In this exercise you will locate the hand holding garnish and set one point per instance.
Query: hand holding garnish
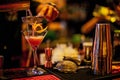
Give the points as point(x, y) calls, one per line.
point(49, 11)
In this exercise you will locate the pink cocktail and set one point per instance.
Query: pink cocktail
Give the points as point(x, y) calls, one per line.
point(34, 41)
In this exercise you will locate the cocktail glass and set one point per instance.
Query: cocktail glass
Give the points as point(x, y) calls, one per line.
point(34, 32)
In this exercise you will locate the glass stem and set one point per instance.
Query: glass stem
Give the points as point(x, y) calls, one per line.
point(35, 57)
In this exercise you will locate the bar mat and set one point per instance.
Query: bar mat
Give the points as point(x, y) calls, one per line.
point(20, 73)
point(42, 77)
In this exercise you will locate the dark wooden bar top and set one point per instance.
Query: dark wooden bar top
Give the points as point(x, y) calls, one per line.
point(81, 74)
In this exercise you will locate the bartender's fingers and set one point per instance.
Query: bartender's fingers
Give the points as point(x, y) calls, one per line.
point(55, 14)
point(42, 11)
point(39, 8)
point(49, 13)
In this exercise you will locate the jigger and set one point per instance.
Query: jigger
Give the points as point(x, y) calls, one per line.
point(102, 50)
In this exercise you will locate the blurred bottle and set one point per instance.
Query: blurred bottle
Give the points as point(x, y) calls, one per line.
point(81, 52)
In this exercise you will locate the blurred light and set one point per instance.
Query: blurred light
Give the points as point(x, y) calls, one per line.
point(117, 31)
point(113, 19)
point(104, 11)
point(76, 38)
point(55, 26)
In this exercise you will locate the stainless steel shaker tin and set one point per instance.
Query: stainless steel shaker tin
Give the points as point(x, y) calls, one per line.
point(102, 50)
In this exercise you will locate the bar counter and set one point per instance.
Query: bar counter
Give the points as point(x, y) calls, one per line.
point(83, 74)
point(80, 74)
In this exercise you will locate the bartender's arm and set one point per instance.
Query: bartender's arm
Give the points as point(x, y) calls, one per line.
point(98, 16)
point(87, 27)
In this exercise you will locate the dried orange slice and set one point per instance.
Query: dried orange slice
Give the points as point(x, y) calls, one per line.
point(42, 30)
point(35, 26)
point(38, 27)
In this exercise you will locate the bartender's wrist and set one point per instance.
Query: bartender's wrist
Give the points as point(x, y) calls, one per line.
point(39, 7)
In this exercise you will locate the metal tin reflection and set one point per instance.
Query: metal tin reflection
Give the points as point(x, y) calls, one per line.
point(102, 50)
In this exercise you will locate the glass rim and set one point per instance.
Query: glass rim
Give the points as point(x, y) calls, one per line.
point(33, 18)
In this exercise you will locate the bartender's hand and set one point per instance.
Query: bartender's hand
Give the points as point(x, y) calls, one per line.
point(49, 11)
point(105, 13)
